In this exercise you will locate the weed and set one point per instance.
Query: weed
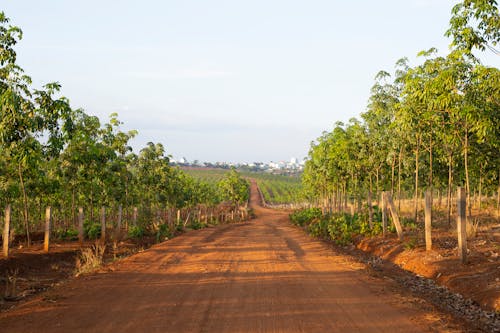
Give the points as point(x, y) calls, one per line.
point(70, 234)
point(135, 232)
point(10, 284)
point(411, 244)
point(163, 233)
point(472, 228)
point(92, 230)
point(89, 259)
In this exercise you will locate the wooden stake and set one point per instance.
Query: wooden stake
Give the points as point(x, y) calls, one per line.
point(462, 224)
point(6, 230)
point(48, 222)
point(394, 215)
point(81, 236)
point(428, 220)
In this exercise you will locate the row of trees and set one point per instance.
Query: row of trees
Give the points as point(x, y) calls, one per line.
point(54, 155)
point(432, 126)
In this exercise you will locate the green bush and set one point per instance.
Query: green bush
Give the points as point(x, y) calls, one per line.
point(70, 234)
point(339, 227)
point(304, 216)
point(195, 224)
point(163, 233)
point(135, 232)
point(92, 230)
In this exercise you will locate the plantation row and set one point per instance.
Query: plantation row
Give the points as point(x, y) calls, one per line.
point(54, 155)
point(433, 126)
point(279, 190)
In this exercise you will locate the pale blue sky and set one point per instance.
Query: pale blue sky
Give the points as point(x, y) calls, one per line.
point(218, 80)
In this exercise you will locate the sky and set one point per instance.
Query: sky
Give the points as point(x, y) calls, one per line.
point(224, 80)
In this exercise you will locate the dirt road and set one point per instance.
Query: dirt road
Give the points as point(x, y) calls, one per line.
point(260, 276)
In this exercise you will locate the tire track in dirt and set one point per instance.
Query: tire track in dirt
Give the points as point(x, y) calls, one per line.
point(261, 276)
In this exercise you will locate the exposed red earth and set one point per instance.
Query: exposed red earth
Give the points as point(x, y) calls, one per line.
point(264, 275)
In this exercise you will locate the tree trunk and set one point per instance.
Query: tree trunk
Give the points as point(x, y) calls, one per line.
point(415, 196)
point(25, 204)
point(467, 182)
point(450, 180)
point(393, 165)
point(370, 211)
point(399, 179)
point(480, 191)
point(430, 164)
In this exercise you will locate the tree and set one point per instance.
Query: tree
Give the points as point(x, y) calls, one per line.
point(475, 24)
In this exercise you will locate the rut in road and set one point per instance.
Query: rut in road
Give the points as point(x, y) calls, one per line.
point(261, 276)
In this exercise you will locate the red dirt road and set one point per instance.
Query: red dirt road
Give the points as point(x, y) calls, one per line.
point(260, 276)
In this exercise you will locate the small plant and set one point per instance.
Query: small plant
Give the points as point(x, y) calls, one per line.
point(195, 224)
point(305, 216)
point(10, 284)
point(89, 259)
point(472, 228)
point(92, 230)
point(163, 233)
point(136, 232)
point(70, 234)
point(411, 244)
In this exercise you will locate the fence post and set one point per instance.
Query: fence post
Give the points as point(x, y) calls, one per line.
point(384, 213)
point(461, 224)
point(48, 222)
point(178, 216)
point(103, 224)
point(6, 230)
point(80, 225)
point(394, 215)
point(428, 220)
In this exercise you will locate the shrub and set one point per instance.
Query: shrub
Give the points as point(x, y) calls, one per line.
point(70, 234)
point(89, 259)
point(92, 230)
point(163, 233)
point(135, 232)
point(195, 224)
point(305, 216)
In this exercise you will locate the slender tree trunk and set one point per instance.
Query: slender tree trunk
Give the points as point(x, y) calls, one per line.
point(91, 203)
point(480, 191)
point(370, 211)
point(399, 179)
point(450, 180)
point(415, 197)
point(25, 204)
point(392, 173)
point(467, 185)
point(73, 206)
point(430, 164)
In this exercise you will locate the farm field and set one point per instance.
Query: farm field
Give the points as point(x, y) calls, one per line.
point(279, 191)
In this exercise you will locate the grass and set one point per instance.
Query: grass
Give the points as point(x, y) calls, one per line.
point(89, 259)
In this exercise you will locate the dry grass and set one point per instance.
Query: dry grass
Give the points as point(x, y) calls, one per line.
point(89, 259)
